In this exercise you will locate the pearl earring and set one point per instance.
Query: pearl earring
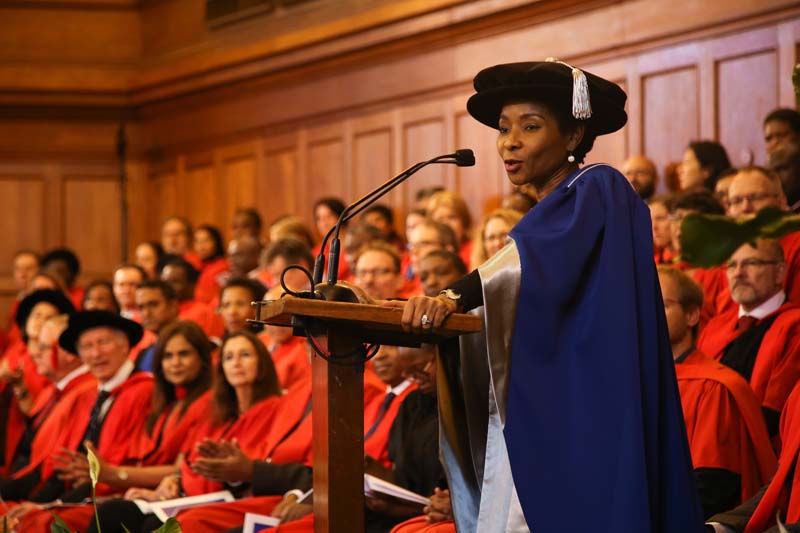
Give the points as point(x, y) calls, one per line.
point(571, 158)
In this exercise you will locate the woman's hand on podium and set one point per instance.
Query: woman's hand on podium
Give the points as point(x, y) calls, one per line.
point(422, 314)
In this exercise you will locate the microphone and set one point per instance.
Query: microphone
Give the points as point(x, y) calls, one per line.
point(461, 158)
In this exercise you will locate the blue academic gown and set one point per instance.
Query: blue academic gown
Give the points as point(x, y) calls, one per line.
point(594, 429)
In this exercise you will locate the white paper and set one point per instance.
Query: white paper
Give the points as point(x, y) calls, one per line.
point(374, 485)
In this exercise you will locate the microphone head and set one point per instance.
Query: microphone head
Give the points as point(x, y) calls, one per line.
point(465, 158)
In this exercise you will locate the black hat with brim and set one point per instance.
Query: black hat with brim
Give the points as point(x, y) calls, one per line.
point(549, 82)
point(83, 321)
point(55, 298)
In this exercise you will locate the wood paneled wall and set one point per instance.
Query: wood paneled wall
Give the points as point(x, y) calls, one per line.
point(277, 128)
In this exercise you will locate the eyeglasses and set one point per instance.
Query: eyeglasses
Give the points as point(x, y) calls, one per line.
point(750, 198)
point(748, 264)
point(497, 237)
point(375, 272)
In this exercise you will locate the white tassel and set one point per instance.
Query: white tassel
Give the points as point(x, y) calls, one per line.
point(581, 104)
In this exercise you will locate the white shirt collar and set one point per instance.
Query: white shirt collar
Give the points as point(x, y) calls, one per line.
point(119, 378)
point(767, 308)
point(63, 382)
point(398, 390)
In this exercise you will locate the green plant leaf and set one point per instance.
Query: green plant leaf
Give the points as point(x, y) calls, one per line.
point(170, 526)
point(58, 525)
point(94, 466)
point(710, 240)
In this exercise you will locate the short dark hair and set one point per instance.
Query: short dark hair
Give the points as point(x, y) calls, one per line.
point(446, 234)
point(131, 266)
point(256, 288)
point(216, 236)
point(712, 157)
point(62, 254)
point(252, 214)
point(334, 204)
point(382, 247)
point(165, 288)
point(427, 192)
point(700, 201)
point(101, 283)
point(787, 115)
point(192, 274)
point(381, 210)
point(452, 257)
point(690, 294)
point(294, 251)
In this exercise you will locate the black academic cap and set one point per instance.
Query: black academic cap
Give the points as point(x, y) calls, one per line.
point(56, 298)
point(86, 320)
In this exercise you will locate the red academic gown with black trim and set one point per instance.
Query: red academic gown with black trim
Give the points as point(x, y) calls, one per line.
point(204, 316)
point(376, 446)
point(420, 524)
point(291, 361)
point(724, 423)
point(208, 284)
point(783, 492)
point(296, 448)
point(777, 364)
point(791, 256)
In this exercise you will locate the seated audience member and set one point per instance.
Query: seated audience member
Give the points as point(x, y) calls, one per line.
point(450, 208)
point(158, 308)
point(176, 238)
point(413, 218)
point(377, 271)
point(243, 257)
point(785, 162)
point(182, 276)
point(287, 351)
point(99, 296)
point(754, 188)
point(246, 222)
point(45, 280)
point(716, 297)
point(234, 304)
point(642, 175)
point(780, 497)
point(760, 337)
point(439, 269)
point(731, 451)
point(245, 405)
point(703, 161)
point(126, 278)
point(358, 236)
point(63, 263)
point(518, 201)
point(326, 213)
point(180, 402)
point(147, 255)
point(291, 227)
point(426, 237)
point(283, 253)
point(270, 480)
point(422, 196)
point(492, 235)
point(380, 216)
point(108, 416)
point(210, 249)
point(24, 267)
point(781, 126)
point(66, 376)
point(20, 384)
point(662, 229)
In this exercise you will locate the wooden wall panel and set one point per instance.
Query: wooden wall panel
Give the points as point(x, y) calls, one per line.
point(671, 114)
point(92, 223)
point(325, 175)
point(484, 184)
point(743, 103)
point(372, 160)
point(163, 188)
point(22, 224)
point(200, 198)
point(276, 189)
point(239, 183)
point(422, 140)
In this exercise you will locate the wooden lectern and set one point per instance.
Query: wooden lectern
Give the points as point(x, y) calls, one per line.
point(341, 329)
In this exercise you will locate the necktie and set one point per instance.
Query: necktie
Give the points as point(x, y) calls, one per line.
point(387, 401)
point(95, 421)
point(746, 322)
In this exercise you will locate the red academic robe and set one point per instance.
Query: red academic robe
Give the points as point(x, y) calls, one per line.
point(208, 284)
point(465, 252)
point(291, 361)
point(204, 316)
point(376, 446)
point(777, 365)
point(783, 492)
point(76, 295)
point(420, 524)
point(296, 448)
point(791, 255)
point(724, 423)
point(194, 259)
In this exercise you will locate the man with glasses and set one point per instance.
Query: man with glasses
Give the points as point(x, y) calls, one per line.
point(760, 338)
point(426, 237)
point(377, 271)
point(754, 188)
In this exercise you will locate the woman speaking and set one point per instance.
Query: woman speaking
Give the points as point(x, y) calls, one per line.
point(584, 430)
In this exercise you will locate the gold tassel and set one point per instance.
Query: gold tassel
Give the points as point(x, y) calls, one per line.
point(581, 105)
